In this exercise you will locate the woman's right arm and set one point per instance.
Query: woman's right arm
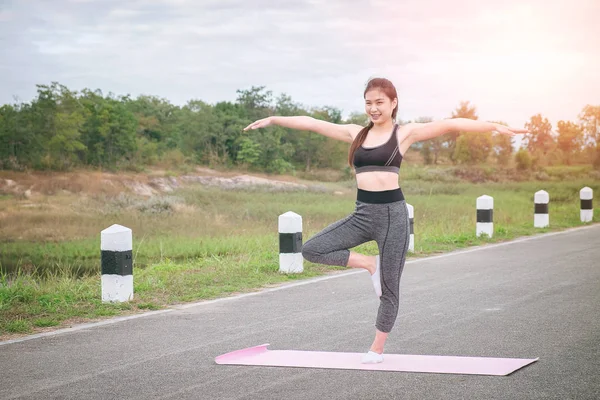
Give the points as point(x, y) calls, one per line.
point(343, 132)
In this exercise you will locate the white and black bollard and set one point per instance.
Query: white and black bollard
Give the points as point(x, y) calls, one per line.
point(485, 216)
point(586, 196)
point(411, 218)
point(290, 243)
point(117, 264)
point(541, 217)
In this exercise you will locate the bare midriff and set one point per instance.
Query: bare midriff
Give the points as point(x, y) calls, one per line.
point(377, 181)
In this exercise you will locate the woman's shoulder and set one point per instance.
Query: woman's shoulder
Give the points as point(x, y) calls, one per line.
point(405, 128)
point(354, 129)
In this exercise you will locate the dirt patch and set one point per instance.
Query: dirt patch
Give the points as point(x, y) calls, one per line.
point(154, 183)
point(240, 182)
point(140, 188)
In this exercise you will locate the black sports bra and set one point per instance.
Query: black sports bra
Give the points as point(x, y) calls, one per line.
point(385, 157)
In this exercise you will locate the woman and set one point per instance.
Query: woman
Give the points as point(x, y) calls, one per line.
point(376, 153)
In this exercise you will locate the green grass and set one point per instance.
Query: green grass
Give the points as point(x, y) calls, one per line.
point(206, 243)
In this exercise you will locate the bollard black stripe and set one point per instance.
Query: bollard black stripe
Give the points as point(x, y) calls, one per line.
point(290, 242)
point(485, 215)
point(412, 226)
point(586, 204)
point(117, 262)
point(541, 208)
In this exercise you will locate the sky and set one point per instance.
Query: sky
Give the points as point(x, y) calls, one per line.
point(510, 59)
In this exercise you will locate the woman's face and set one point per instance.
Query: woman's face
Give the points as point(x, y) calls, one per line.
point(379, 106)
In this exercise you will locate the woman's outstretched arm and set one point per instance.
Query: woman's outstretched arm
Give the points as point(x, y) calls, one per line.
point(343, 132)
point(430, 130)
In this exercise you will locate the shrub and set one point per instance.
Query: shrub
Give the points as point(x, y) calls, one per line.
point(523, 160)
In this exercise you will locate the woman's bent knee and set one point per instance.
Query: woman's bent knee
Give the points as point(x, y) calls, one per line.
point(316, 253)
point(310, 253)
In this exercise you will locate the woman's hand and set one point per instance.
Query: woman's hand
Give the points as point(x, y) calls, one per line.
point(505, 130)
point(261, 123)
point(418, 132)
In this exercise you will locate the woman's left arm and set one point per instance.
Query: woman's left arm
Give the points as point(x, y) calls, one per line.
point(425, 131)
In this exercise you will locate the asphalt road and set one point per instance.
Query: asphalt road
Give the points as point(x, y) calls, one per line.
point(538, 297)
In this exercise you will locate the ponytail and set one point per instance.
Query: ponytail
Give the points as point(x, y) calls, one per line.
point(358, 141)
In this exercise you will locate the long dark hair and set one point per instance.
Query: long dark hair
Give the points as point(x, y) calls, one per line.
point(386, 87)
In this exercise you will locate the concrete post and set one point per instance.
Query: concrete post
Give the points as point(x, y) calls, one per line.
point(485, 216)
point(411, 217)
point(586, 196)
point(290, 243)
point(541, 217)
point(117, 264)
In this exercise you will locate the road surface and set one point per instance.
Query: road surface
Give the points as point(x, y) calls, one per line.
point(538, 297)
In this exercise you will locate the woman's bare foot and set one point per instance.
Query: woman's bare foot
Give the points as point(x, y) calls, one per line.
point(357, 260)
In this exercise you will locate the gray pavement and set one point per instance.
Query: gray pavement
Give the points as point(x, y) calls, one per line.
point(538, 297)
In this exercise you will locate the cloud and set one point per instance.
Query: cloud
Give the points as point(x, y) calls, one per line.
point(5, 16)
point(319, 52)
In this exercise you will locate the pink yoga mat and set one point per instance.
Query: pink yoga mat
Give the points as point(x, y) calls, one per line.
point(260, 355)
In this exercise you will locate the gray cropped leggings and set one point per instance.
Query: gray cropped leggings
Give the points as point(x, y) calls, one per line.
point(388, 225)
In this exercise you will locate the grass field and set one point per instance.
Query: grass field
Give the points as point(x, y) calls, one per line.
point(201, 243)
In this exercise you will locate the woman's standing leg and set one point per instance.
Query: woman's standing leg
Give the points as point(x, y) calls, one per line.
point(392, 238)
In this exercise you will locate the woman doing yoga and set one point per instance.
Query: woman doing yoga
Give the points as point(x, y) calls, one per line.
point(376, 153)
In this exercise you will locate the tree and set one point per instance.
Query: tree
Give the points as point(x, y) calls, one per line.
point(201, 129)
point(426, 152)
point(570, 139)
point(256, 101)
point(329, 153)
point(249, 152)
point(358, 118)
point(10, 142)
point(284, 106)
point(464, 110)
point(157, 120)
point(109, 131)
point(43, 126)
point(502, 147)
point(20, 146)
point(590, 120)
point(231, 121)
point(308, 144)
point(56, 119)
point(432, 148)
point(473, 147)
point(539, 139)
point(65, 146)
point(275, 155)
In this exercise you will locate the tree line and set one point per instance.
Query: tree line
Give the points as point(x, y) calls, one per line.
point(61, 129)
point(570, 142)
